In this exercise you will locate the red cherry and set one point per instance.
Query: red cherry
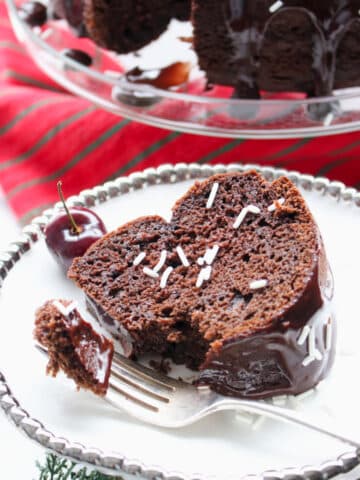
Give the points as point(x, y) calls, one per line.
point(71, 232)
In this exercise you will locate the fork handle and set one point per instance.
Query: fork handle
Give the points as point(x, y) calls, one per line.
point(284, 414)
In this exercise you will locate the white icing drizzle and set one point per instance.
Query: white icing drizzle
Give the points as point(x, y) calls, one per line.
point(328, 335)
point(201, 261)
point(165, 276)
point(257, 284)
point(63, 309)
point(275, 6)
point(249, 209)
point(150, 273)
point(182, 257)
point(272, 207)
point(303, 335)
point(139, 259)
point(204, 275)
point(212, 195)
point(161, 262)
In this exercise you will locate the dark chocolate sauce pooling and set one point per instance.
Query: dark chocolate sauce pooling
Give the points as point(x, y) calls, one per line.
point(330, 19)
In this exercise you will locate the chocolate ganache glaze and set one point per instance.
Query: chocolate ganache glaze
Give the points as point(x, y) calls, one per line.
point(284, 45)
point(281, 362)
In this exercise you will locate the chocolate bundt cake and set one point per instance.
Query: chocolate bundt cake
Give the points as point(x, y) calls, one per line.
point(120, 25)
point(237, 285)
point(279, 46)
point(73, 346)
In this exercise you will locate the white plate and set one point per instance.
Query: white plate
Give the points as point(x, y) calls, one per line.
point(221, 446)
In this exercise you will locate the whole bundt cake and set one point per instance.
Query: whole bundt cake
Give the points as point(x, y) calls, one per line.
point(279, 45)
point(236, 285)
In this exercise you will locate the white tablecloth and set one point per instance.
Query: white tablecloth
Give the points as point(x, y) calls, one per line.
point(18, 455)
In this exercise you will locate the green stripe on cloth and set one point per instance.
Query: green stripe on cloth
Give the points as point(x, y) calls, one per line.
point(148, 151)
point(12, 46)
point(46, 138)
point(287, 151)
point(11, 74)
point(345, 149)
point(24, 113)
point(220, 151)
point(325, 169)
point(74, 161)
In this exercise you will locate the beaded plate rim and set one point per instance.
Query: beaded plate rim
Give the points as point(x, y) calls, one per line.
point(110, 462)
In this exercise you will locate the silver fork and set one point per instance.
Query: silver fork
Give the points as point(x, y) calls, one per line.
point(157, 399)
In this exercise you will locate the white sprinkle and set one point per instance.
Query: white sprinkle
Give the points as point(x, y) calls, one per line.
point(212, 195)
point(244, 417)
point(207, 272)
point(258, 422)
point(200, 261)
point(272, 207)
point(46, 33)
point(244, 212)
point(210, 254)
point(318, 355)
point(275, 6)
point(312, 343)
point(204, 388)
point(303, 335)
point(161, 262)
point(280, 400)
point(112, 73)
point(328, 119)
point(165, 277)
point(150, 273)
point(64, 310)
point(182, 257)
point(328, 337)
point(257, 284)
point(139, 259)
point(307, 360)
point(204, 275)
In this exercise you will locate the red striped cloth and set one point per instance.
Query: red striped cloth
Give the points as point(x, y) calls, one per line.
point(47, 134)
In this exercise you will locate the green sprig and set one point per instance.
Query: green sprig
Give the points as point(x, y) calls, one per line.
point(57, 468)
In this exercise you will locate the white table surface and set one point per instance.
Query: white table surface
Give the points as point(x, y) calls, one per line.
point(17, 454)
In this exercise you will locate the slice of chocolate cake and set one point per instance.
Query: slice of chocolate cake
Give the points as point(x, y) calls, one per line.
point(236, 285)
point(278, 46)
point(73, 346)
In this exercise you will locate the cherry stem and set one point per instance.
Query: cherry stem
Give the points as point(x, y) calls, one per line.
point(75, 229)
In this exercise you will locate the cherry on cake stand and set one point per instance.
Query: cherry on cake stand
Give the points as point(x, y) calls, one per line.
point(191, 107)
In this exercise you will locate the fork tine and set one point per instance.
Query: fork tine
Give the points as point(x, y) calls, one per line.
point(128, 397)
point(148, 374)
point(124, 376)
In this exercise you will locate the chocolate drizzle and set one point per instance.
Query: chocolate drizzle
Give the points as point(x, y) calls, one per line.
point(248, 24)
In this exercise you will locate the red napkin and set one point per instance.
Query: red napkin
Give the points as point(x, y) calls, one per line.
point(47, 134)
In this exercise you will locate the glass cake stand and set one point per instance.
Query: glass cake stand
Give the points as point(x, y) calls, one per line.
point(190, 107)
